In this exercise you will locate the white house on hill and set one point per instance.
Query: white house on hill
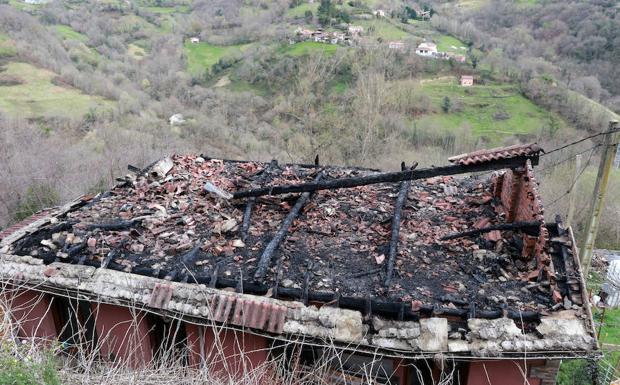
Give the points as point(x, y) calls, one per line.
point(426, 49)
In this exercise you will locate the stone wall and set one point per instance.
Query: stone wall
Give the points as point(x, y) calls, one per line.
point(563, 331)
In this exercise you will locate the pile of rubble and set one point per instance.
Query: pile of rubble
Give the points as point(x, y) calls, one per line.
point(177, 220)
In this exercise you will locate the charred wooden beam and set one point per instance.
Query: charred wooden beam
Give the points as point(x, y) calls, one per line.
point(396, 219)
point(529, 227)
point(113, 226)
point(390, 177)
point(247, 213)
point(189, 258)
point(265, 259)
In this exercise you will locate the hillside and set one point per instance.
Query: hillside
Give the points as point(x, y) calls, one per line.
point(99, 82)
point(574, 41)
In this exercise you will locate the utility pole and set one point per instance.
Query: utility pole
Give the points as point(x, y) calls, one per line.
point(610, 146)
point(573, 192)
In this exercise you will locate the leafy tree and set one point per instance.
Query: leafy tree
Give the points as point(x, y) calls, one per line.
point(474, 60)
point(446, 104)
point(308, 16)
point(343, 17)
point(325, 12)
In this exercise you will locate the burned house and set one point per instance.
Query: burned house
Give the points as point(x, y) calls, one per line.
point(439, 270)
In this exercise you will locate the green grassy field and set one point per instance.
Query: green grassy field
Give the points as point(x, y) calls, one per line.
point(203, 55)
point(490, 111)
point(446, 43)
point(19, 4)
point(37, 96)
point(308, 47)
point(69, 33)
point(7, 46)
point(382, 28)
point(300, 10)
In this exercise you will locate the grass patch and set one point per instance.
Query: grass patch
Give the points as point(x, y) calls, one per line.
point(136, 52)
point(68, 33)
point(383, 29)
point(243, 86)
point(37, 96)
point(22, 6)
point(300, 11)
point(203, 56)
point(610, 332)
point(308, 47)
point(16, 370)
point(7, 46)
point(446, 43)
point(490, 111)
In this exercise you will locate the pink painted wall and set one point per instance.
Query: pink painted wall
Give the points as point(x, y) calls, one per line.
point(500, 372)
point(33, 313)
point(123, 335)
point(230, 352)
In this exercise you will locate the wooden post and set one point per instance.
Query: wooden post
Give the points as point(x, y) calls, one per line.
point(610, 146)
point(573, 192)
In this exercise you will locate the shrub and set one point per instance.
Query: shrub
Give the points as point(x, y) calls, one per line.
point(27, 371)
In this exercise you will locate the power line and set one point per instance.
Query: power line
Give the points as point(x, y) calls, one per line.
point(553, 165)
point(580, 140)
point(575, 180)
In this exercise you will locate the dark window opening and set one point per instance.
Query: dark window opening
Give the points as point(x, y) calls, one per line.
point(75, 324)
point(331, 366)
point(169, 340)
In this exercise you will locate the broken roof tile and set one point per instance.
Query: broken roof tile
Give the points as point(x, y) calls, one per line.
point(482, 156)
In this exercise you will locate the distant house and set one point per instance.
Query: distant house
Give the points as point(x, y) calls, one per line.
point(467, 80)
point(422, 14)
point(396, 45)
point(176, 119)
point(379, 13)
point(355, 30)
point(459, 58)
point(427, 49)
point(194, 40)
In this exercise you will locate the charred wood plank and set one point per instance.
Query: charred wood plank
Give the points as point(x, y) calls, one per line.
point(112, 226)
point(191, 256)
point(396, 219)
point(390, 177)
point(247, 212)
point(265, 259)
point(532, 228)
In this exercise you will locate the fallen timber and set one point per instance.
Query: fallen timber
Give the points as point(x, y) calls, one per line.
point(266, 257)
point(389, 177)
point(398, 209)
point(531, 227)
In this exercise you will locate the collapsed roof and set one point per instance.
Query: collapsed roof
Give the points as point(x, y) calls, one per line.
point(403, 246)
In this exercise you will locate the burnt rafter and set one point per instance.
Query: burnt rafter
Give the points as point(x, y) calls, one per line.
point(265, 259)
point(398, 210)
point(530, 227)
point(247, 212)
point(389, 177)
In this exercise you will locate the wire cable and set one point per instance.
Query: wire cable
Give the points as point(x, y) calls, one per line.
point(580, 140)
point(574, 181)
point(553, 165)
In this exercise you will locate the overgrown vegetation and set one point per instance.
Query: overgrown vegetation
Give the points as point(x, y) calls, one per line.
point(19, 368)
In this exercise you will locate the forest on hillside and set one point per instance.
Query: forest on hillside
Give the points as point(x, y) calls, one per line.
point(89, 87)
point(574, 41)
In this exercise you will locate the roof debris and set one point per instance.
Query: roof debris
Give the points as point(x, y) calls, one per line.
point(171, 222)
